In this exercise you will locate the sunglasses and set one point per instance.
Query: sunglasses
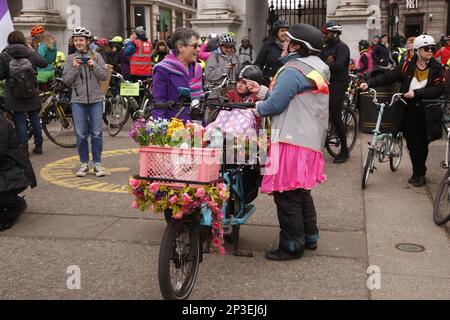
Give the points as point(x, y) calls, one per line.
point(429, 49)
point(195, 46)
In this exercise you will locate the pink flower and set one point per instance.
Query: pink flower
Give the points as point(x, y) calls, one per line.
point(134, 183)
point(222, 187)
point(178, 216)
point(216, 225)
point(186, 198)
point(134, 205)
point(154, 187)
point(173, 200)
point(222, 251)
point(216, 243)
point(223, 195)
point(201, 193)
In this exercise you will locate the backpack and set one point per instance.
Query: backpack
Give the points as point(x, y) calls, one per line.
point(23, 77)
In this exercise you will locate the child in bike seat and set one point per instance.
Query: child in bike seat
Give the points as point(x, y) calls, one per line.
point(241, 123)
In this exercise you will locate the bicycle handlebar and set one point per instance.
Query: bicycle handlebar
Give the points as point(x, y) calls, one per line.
point(231, 106)
point(396, 97)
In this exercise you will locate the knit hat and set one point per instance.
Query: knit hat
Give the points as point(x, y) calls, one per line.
point(140, 31)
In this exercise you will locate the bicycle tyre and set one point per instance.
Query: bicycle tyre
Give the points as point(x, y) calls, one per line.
point(351, 124)
point(441, 217)
point(58, 125)
point(115, 122)
point(173, 257)
point(367, 168)
point(394, 162)
point(108, 106)
point(333, 144)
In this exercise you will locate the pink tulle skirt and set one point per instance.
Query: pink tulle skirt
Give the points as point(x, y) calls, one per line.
point(291, 167)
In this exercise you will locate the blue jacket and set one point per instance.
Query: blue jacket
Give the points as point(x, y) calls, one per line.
point(290, 82)
point(130, 49)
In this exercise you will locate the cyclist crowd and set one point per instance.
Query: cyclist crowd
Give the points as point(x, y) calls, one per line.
point(298, 79)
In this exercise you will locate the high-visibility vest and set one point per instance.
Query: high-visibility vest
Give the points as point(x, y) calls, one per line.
point(141, 61)
point(202, 64)
point(401, 52)
point(60, 59)
point(369, 60)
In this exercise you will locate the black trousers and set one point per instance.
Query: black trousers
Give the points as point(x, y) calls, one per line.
point(297, 218)
point(337, 97)
point(414, 129)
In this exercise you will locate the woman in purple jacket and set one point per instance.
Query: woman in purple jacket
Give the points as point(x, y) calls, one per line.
point(178, 69)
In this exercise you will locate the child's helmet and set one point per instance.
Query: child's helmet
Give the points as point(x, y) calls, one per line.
point(251, 72)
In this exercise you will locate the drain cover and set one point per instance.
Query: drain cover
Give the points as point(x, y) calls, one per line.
point(410, 247)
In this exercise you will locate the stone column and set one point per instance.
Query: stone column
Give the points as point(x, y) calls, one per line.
point(155, 20)
point(216, 16)
point(355, 18)
point(39, 12)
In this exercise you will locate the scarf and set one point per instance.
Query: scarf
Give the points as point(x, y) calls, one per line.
point(172, 65)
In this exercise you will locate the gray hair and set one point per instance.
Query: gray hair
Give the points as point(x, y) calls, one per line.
point(182, 36)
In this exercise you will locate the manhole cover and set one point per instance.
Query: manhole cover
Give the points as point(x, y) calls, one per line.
point(410, 247)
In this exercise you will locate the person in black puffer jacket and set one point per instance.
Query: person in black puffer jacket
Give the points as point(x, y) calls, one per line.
point(421, 78)
point(380, 54)
point(268, 59)
point(16, 175)
point(17, 48)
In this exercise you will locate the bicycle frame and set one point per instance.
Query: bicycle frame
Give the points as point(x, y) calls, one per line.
point(378, 136)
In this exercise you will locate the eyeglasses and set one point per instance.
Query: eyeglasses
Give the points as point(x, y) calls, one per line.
point(195, 45)
point(429, 49)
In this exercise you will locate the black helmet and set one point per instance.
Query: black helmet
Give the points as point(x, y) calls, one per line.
point(251, 72)
point(280, 24)
point(307, 35)
point(364, 44)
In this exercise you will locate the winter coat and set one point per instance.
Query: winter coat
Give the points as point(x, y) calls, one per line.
point(85, 82)
point(444, 54)
point(380, 55)
point(165, 88)
point(19, 51)
point(16, 171)
point(246, 56)
point(217, 66)
point(340, 67)
point(269, 59)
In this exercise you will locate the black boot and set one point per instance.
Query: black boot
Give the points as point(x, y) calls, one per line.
point(38, 149)
point(413, 179)
point(420, 182)
point(281, 255)
point(342, 157)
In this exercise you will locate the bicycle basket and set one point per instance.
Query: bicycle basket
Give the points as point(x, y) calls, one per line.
point(199, 165)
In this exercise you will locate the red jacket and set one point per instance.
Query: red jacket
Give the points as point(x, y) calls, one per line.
point(141, 60)
point(444, 53)
point(234, 97)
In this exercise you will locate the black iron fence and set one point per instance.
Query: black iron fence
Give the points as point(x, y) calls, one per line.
point(313, 12)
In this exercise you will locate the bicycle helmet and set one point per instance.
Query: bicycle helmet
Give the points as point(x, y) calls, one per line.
point(37, 30)
point(424, 41)
point(81, 32)
point(279, 25)
point(226, 40)
point(307, 35)
point(251, 72)
point(117, 39)
point(364, 44)
point(332, 27)
point(102, 42)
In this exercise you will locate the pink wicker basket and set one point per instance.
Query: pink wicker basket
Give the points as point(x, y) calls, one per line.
point(188, 165)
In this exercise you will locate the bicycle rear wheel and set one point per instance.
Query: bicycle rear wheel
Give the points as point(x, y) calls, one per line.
point(118, 116)
point(351, 125)
point(58, 125)
point(441, 209)
point(396, 153)
point(368, 168)
point(179, 258)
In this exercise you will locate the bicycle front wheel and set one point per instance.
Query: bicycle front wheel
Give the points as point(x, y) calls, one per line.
point(118, 116)
point(441, 209)
point(396, 154)
point(58, 125)
point(351, 125)
point(368, 168)
point(179, 258)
